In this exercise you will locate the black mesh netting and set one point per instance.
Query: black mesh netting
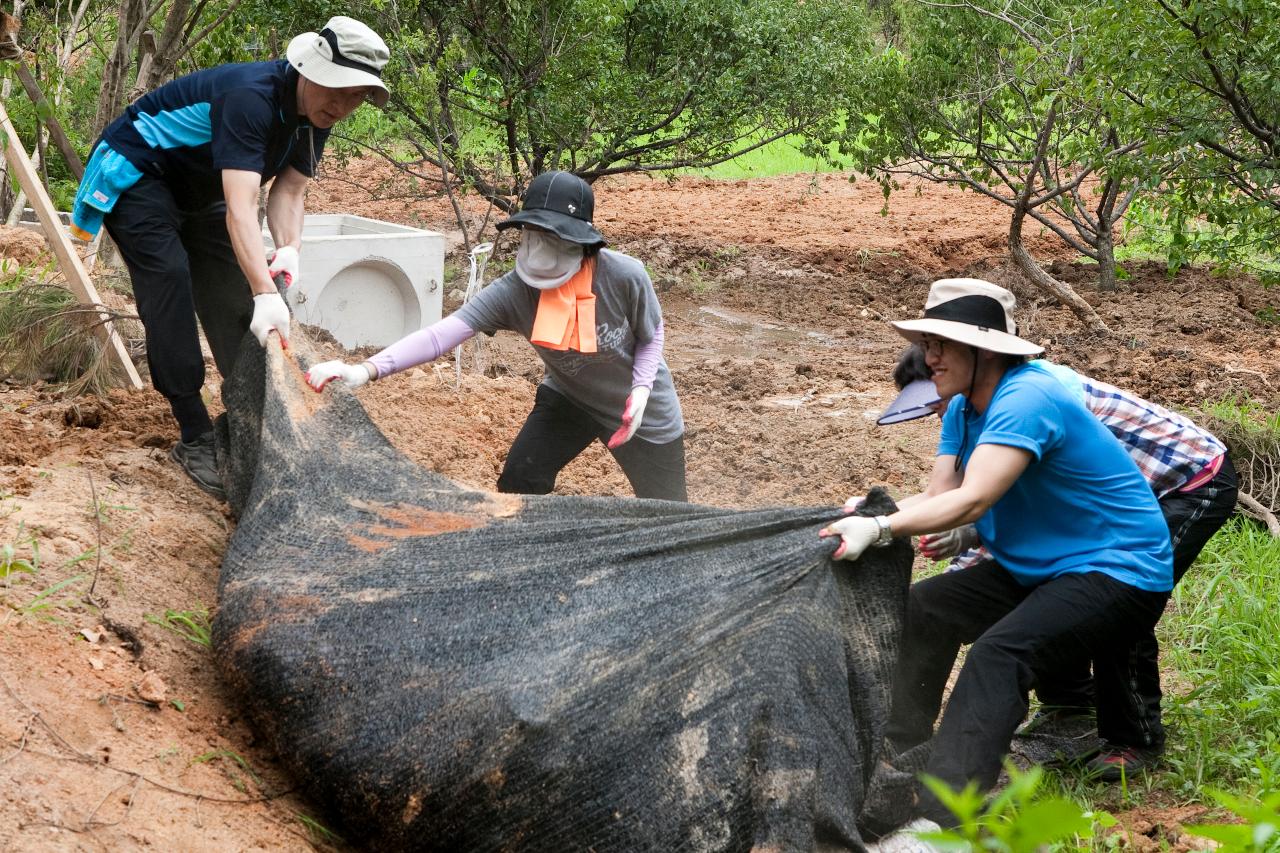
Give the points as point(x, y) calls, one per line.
point(445, 669)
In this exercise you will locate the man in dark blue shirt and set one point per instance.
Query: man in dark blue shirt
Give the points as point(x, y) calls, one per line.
point(175, 179)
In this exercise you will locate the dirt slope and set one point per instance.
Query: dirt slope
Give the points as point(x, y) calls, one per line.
point(775, 294)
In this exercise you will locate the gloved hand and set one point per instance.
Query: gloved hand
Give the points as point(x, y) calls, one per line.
point(856, 533)
point(948, 543)
point(632, 415)
point(852, 504)
point(320, 375)
point(270, 312)
point(285, 260)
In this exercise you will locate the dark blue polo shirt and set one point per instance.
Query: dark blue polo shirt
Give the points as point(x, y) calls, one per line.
point(242, 116)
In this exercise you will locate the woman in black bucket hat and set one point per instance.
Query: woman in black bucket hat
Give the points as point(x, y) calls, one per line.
point(593, 317)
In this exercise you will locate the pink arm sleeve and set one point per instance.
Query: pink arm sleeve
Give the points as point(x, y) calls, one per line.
point(648, 357)
point(422, 346)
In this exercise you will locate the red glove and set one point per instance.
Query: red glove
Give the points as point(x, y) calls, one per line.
point(632, 415)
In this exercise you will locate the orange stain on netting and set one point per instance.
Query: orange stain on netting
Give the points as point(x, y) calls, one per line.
point(405, 521)
point(302, 400)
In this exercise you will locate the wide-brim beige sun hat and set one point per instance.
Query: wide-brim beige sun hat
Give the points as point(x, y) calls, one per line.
point(345, 53)
point(969, 311)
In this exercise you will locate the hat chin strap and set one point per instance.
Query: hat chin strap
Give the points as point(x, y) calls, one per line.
point(968, 401)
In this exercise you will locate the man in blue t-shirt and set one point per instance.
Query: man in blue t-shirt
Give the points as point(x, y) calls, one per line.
point(1083, 564)
point(175, 180)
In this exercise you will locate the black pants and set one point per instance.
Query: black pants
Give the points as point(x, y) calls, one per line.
point(1020, 635)
point(182, 265)
point(556, 431)
point(1132, 682)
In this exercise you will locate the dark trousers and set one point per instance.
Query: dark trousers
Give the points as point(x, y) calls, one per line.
point(1020, 635)
point(556, 431)
point(1132, 682)
point(182, 265)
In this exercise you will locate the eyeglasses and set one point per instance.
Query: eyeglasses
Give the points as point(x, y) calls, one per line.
point(933, 347)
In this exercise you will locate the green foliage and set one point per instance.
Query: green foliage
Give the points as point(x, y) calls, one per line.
point(1251, 431)
point(1201, 79)
point(1015, 820)
point(11, 560)
point(1260, 832)
point(995, 98)
point(598, 86)
point(1221, 636)
point(191, 625)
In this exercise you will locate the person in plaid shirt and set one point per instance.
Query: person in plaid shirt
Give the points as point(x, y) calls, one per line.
point(1191, 474)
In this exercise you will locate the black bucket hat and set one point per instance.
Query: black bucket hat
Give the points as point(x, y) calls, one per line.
point(563, 204)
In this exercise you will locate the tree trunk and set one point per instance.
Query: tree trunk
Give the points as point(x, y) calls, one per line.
point(1059, 290)
point(115, 74)
point(1106, 257)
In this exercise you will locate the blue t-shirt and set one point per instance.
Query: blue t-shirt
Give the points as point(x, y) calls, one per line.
point(1081, 505)
point(240, 116)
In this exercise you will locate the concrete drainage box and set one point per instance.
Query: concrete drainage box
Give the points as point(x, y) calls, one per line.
point(367, 282)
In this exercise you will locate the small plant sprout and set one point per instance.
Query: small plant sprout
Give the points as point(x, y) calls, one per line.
point(44, 602)
point(10, 559)
point(191, 625)
point(319, 833)
point(229, 760)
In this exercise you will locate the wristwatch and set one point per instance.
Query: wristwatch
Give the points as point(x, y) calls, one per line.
point(886, 532)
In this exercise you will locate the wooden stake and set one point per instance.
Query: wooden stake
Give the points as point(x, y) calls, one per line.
point(63, 250)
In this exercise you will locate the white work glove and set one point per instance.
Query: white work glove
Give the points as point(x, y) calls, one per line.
point(632, 415)
point(948, 543)
point(852, 504)
point(353, 375)
point(857, 533)
point(270, 312)
point(285, 260)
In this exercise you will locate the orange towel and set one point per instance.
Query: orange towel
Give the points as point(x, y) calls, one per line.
point(566, 317)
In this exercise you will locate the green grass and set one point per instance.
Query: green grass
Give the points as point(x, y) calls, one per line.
point(782, 157)
point(1221, 636)
point(192, 625)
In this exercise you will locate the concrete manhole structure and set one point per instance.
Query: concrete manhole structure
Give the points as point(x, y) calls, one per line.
point(367, 282)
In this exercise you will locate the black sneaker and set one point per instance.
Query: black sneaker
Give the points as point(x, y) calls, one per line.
point(1056, 737)
point(198, 459)
point(1060, 722)
point(1114, 762)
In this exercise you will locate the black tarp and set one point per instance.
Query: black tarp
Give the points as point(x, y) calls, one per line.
point(450, 669)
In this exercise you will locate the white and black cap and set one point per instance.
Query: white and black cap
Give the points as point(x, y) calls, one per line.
point(345, 53)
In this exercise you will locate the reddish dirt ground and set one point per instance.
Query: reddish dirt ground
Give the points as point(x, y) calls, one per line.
point(775, 294)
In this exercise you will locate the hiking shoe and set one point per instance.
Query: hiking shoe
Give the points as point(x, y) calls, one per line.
point(198, 459)
point(1116, 762)
point(1056, 737)
point(1060, 723)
